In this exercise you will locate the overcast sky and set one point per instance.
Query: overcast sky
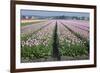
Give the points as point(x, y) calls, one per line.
point(52, 13)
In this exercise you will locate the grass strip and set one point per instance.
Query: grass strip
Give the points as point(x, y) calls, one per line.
point(28, 23)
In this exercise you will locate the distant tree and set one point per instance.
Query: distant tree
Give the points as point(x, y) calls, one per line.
point(82, 18)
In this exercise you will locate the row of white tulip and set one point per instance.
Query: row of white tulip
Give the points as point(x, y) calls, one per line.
point(67, 35)
point(41, 37)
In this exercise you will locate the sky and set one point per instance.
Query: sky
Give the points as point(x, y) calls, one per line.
point(52, 13)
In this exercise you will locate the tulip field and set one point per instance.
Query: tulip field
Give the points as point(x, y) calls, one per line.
point(55, 40)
